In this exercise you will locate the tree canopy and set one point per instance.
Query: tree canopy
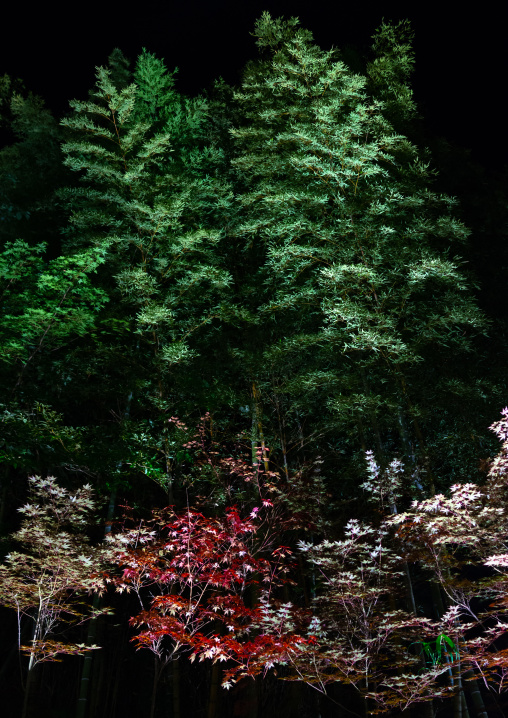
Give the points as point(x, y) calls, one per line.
point(214, 310)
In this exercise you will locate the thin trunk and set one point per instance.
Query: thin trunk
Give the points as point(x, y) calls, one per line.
point(404, 435)
point(3, 496)
point(92, 626)
point(409, 590)
point(282, 436)
point(369, 705)
point(87, 663)
point(419, 436)
point(374, 423)
point(117, 662)
point(408, 446)
point(100, 684)
point(303, 582)
point(169, 475)
point(156, 674)
point(32, 664)
point(251, 698)
point(457, 699)
point(300, 433)
point(471, 683)
point(362, 433)
point(437, 600)
point(213, 700)
point(408, 449)
point(28, 693)
point(254, 436)
point(476, 696)
point(465, 710)
point(263, 445)
point(176, 688)
point(92, 629)
point(428, 706)
point(295, 698)
point(460, 709)
point(257, 428)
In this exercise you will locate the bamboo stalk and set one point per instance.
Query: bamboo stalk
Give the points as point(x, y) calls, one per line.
point(213, 700)
point(176, 688)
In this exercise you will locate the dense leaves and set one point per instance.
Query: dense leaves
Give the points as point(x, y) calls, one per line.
point(56, 564)
point(246, 319)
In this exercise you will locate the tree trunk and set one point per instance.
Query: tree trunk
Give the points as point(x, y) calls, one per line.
point(156, 675)
point(374, 424)
point(419, 436)
point(31, 702)
point(246, 703)
point(282, 433)
point(99, 688)
point(465, 711)
point(428, 706)
point(114, 683)
point(361, 432)
point(92, 629)
point(368, 704)
point(3, 496)
point(404, 435)
point(87, 664)
point(254, 431)
point(213, 700)
point(457, 699)
point(37, 633)
point(476, 696)
point(472, 685)
point(176, 688)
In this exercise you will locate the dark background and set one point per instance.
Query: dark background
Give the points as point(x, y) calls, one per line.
point(460, 73)
point(459, 84)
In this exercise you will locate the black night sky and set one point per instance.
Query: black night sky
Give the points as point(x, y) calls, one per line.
point(459, 80)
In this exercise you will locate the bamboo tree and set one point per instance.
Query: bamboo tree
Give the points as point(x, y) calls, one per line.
point(144, 203)
point(359, 278)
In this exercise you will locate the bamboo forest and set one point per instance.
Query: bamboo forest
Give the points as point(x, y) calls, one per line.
point(253, 423)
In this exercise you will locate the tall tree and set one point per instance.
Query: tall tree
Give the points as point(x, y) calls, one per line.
point(357, 282)
point(143, 201)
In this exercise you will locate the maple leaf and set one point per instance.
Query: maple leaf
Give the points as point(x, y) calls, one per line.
point(47, 579)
